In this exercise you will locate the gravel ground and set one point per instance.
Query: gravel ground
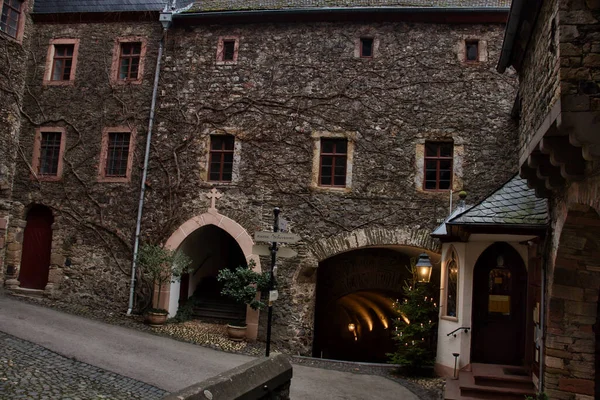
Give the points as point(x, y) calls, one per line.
point(29, 371)
point(214, 336)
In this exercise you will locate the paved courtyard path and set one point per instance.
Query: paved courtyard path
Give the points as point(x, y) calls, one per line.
point(93, 353)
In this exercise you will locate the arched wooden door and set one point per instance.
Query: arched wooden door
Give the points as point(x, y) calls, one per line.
point(499, 306)
point(37, 244)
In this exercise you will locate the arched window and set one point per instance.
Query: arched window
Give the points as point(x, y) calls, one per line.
point(451, 303)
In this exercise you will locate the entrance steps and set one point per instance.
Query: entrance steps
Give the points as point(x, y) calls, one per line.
point(29, 293)
point(220, 310)
point(490, 381)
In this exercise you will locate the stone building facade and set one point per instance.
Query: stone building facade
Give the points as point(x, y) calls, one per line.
point(275, 94)
point(558, 61)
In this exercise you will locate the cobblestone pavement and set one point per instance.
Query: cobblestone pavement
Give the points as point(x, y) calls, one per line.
point(29, 371)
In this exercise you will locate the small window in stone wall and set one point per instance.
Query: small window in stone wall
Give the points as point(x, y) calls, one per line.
point(50, 145)
point(334, 156)
point(221, 158)
point(118, 154)
point(129, 61)
point(227, 50)
point(366, 47)
point(438, 165)
point(11, 17)
point(63, 62)
point(472, 50)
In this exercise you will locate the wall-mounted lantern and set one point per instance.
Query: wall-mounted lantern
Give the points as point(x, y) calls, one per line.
point(351, 327)
point(424, 268)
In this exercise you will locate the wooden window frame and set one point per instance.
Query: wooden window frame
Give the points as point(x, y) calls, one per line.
point(471, 41)
point(221, 47)
point(21, 23)
point(360, 51)
point(437, 158)
point(102, 177)
point(334, 155)
point(452, 257)
point(37, 152)
point(221, 152)
point(50, 62)
point(116, 60)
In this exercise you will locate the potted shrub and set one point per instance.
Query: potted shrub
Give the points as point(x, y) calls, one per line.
point(242, 285)
point(160, 266)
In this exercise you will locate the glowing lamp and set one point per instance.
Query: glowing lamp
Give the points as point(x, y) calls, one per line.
point(424, 268)
point(351, 327)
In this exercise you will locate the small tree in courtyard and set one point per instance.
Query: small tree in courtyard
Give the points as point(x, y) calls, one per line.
point(161, 266)
point(243, 284)
point(416, 326)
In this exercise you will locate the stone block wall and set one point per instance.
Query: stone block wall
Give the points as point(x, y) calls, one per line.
point(289, 82)
point(539, 82)
point(94, 220)
point(12, 87)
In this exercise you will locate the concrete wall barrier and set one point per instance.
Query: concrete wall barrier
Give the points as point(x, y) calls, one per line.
point(264, 378)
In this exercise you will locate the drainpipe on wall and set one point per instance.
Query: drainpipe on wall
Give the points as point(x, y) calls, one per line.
point(138, 225)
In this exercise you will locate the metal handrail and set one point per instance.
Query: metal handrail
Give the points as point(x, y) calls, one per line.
point(465, 328)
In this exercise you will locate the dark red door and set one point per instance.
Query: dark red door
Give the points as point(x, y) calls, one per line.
point(37, 244)
point(499, 304)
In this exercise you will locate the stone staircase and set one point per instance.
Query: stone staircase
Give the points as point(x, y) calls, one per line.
point(219, 309)
point(490, 381)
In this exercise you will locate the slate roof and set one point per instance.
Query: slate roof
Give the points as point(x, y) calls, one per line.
point(92, 6)
point(513, 204)
point(241, 5)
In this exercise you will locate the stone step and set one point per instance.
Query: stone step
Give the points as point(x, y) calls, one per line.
point(470, 389)
point(31, 293)
point(506, 376)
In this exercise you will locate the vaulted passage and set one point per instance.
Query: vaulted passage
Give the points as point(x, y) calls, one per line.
point(355, 294)
point(211, 250)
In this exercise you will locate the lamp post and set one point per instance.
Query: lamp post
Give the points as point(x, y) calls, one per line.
point(424, 268)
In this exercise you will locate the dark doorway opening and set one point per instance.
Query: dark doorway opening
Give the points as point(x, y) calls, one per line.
point(37, 247)
point(354, 309)
point(499, 304)
point(211, 250)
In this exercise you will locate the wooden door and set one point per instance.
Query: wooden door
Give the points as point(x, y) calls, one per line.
point(37, 244)
point(499, 304)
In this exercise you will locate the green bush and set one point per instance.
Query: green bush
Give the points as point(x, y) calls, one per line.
point(243, 284)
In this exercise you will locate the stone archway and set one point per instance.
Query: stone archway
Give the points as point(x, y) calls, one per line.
point(571, 347)
point(375, 237)
point(170, 293)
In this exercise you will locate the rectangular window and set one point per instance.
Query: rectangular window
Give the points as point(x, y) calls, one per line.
point(221, 158)
point(129, 61)
point(334, 155)
point(472, 50)
point(11, 16)
point(438, 165)
point(228, 50)
point(62, 62)
point(117, 157)
point(50, 146)
point(366, 47)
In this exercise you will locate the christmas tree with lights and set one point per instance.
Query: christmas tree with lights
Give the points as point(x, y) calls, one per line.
point(415, 329)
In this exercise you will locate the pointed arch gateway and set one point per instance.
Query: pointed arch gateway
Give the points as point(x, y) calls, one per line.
point(171, 293)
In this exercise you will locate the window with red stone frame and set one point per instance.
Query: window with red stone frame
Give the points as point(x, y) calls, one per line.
point(221, 158)
point(62, 62)
point(438, 165)
point(117, 156)
point(11, 17)
point(334, 156)
point(129, 60)
point(50, 149)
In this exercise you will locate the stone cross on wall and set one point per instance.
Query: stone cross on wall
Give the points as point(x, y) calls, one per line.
point(213, 195)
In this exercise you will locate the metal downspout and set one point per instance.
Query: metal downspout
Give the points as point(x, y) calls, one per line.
point(138, 225)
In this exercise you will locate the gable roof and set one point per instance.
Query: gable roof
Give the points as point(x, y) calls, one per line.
point(241, 5)
point(512, 204)
point(95, 6)
point(513, 207)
